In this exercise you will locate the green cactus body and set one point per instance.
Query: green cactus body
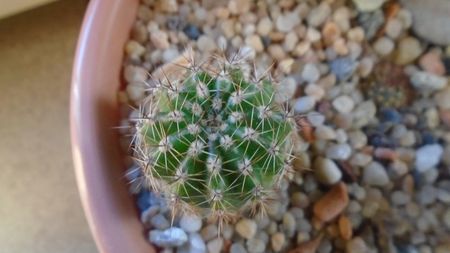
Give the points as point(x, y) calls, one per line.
point(215, 143)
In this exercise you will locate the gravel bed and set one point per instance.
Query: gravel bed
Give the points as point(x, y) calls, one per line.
point(372, 169)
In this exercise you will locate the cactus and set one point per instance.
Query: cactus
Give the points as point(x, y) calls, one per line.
point(213, 142)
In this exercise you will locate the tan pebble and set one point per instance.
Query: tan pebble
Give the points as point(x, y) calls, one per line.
point(302, 48)
point(168, 6)
point(340, 47)
point(330, 32)
point(264, 26)
point(445, 117)
point(239, 6)
point(222, 12)
point(276, 36)
point(356, 34)
point(332, 203)
point(308, 247)
point(290, 41)
point(432, 63)
point(286, 65)
point(408, 184)
point(409, 49)
point(385, 154)
point(254, 41)
point(159, 39)
point(332, 230)
point(313, 35)
point(227, 27)
point(345, 227)
point(277, 52)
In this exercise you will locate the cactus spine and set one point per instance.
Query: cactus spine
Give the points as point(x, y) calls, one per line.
point(214, 142)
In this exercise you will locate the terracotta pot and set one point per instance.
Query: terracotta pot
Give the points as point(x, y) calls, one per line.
point(109, 208)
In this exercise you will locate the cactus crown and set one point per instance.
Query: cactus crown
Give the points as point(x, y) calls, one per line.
point(214, 142)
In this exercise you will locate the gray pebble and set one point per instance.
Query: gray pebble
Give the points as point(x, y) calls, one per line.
point(339, 151)
point(256, 245)
point(190, 223)
point(375, 174)
point(159, 222)
point(194, 245)
point(428, 156)
point(237, 248)
point(215, 245)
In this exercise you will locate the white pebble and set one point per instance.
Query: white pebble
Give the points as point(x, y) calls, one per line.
point(326, 171)
point(318, 15)
point(324, 132)
point(264, 26)
point(339, 151)
point(310, 73)
point(394, 28)
point(427, 81)
point(428, 156)
point(315, 91)
point(304, 104)
point(384, 46)
point(375, 174)
point(215, 245)
point(343, 104)
point(190, 223)
point(287, 22)
point(159, 39)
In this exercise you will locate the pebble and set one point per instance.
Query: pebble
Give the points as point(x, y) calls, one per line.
point(339, 151)
point(237, 248)
point(134, 74)
point(308, 246)
point(192, 31)
point(446, 218)
point(375, 174)
point(343, 67)
point(264, 26)
point(285, 90)
point(356, 245)
point(343, 104)
point(256, 245)
point(368, 5)
point(394, 28)
point(171, 237)
point(332, 203)
point(310, 73)
point(209, 232)
point(384, 46)
point(323, 132)
point(194, 245)
point(442, 99)
point(371, 22)
point(215, 245)
point(345, 227)
point(431, 20)
point(428, 81)
point(330, 32)
point(315, 91)
point(326, 171)
point(287, 22)
point(134, 48)
point(318, 15)
point(159, 222)
point(159, 39)
point(408, 50)
point(254, 41)
point(304, 104)
point(206, 44)
point(431, 62)
point(356, 34)
point(289, 223)
point(277, 241)
point(168, 6)
point(190, 223)
point(246, 228)
point(428, 156)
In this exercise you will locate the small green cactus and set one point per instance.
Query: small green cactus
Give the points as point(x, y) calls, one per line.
point(214, 143)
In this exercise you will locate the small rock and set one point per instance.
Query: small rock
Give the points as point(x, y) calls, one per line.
point(332, 203)
point(399, 198)
point(330, 32)
point(375, 174)
point(304, 104)
point(264, 26)
point(170, 54)
point(343, 67)
point(384, 46)
point(287, 22)
point(159, 222)
point(285, 90)
point(254, 41)
point(343, 104)
point(313, 35)
point(339, 151)
point(190, 223)
point(310, 73)
point(302, 48)
point(356, 245)
point(171, 237)
point(356, 34)
point(256, 245)
point(206, 43)
point(442, 99)
point(237, 248)
point(159, 39)
point(428, 156)
point(315, 91)
point(325, 133)
point(308, 247)
point(135, 74)
point(326, 171)
point(192, 31)
point(135, 91)
point(246, 228)
point(318, 15)
point(394, 28)
point(408, 50)
point(431, 20)
point(194, 245)
point(215, 245)
point(368, 5)
point(371, 22)
point(277, 241)
point(209, 232)
point(134, 48)
point(431, 62)
point(168, 6)
point(357, 139)
point(428, 81)
point(289, 223)
point(239, 6)
point(390, 115)
point(446, 218)
point(345, 227)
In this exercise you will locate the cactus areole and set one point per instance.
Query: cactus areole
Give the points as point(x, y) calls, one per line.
point(214, 142)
